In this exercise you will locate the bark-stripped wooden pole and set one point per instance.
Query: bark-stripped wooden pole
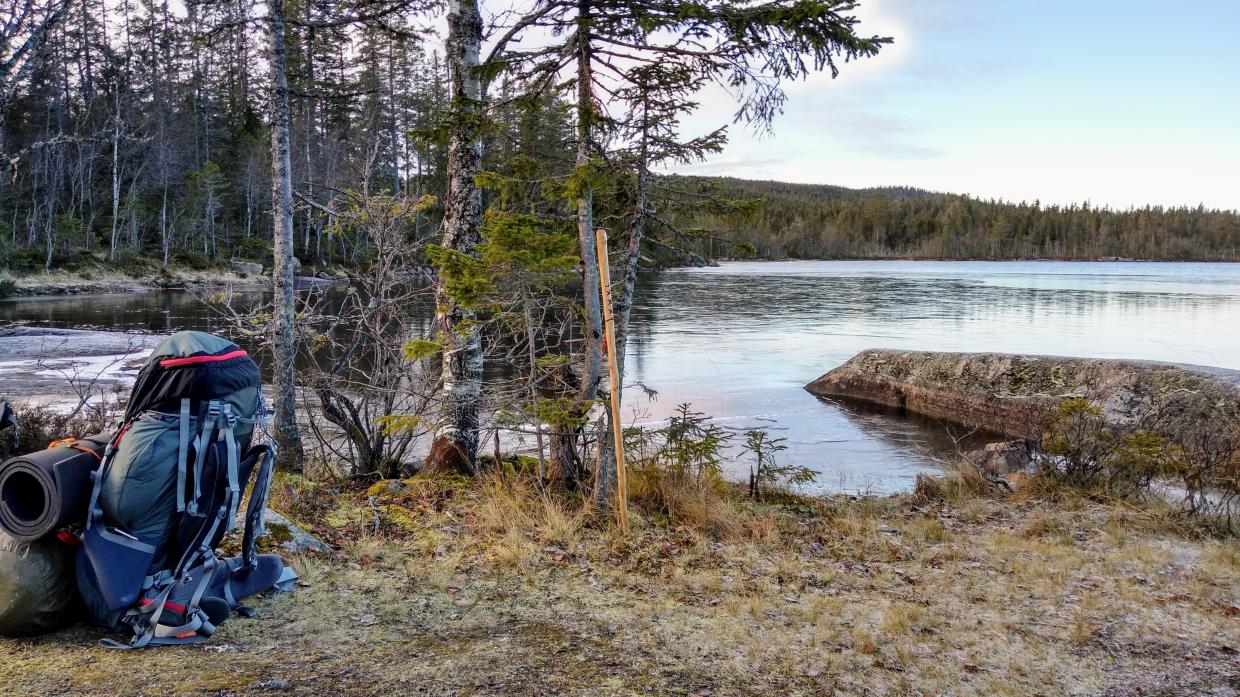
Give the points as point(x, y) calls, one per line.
point(609, 333)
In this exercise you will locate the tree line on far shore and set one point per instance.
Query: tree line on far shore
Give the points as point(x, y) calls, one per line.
point(807, 221)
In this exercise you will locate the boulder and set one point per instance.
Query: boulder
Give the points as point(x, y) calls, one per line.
point(246, 268)
point(1010, 394)
point(285, 535)
point(1002, 458)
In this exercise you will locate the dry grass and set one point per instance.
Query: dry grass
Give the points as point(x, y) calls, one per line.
point(442, 586)
point(99, 278)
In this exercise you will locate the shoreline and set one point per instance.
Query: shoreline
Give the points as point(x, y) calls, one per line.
point(60, 282)
point(1016, 260)
point(67, 283)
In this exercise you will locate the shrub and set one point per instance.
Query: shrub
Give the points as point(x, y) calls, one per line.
point(254, 249)
point(1080, 447)
point(133, 265)
point(962, 481)
point(191, 259)
point(38, 425)
point(766, 470)
point(675, 470)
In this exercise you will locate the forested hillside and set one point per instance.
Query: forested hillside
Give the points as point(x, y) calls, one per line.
point(140, 128)
point(833, 222)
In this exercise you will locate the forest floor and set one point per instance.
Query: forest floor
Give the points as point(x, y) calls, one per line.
point(443, 587)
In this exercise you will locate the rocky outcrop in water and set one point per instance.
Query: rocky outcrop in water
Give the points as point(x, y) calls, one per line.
point(1010, 394)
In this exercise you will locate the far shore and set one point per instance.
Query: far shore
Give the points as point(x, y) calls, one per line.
point(60, 282)
point(65, 283)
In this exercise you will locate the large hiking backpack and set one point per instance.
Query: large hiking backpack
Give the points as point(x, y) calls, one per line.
point(167, 490)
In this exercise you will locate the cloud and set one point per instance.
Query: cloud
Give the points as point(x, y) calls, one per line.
point(881, 134)
point(863, 126)
point(736, 166)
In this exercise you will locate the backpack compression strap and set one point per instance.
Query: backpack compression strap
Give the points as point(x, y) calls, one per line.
point(183, 455)
point(93, 512)
point(258, 503)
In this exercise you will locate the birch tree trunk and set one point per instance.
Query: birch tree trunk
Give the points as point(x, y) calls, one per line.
point(116, 177)
point(310, 135)
point(163, 225)
point(456, 444)
point(286, 433)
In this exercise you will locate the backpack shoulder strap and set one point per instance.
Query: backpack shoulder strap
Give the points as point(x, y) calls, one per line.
point(213, 410)
point(228, 422)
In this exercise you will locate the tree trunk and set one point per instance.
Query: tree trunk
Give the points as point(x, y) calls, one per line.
point(622, 309)
point(116, 179)
point(284, 335)
point(163, 225)
point(311, 101)
point(566, 463)
point(456, 444)
point(393, 144)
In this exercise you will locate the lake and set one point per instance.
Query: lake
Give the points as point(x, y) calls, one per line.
point(740, 341)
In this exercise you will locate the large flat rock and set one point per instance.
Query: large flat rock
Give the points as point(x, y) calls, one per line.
point(1010, 394)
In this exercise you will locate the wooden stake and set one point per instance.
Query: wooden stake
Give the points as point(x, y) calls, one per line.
point(609, 332)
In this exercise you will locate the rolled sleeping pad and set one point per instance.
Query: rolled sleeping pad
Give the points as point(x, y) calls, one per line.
point(37, 589)
point(47, 490)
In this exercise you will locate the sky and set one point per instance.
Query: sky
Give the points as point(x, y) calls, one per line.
point(1116, 103)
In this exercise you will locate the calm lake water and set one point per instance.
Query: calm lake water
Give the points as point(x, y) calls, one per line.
point(740, 341)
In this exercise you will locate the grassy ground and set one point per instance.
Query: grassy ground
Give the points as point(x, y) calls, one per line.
point(95, 276)
point(441, 587)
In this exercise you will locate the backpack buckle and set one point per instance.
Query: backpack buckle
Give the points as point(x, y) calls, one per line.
point(230, 416)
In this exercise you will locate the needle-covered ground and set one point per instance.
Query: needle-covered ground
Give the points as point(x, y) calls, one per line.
point(444, 587)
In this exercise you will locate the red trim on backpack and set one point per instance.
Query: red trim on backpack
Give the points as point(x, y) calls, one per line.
point(175, 607)
point(192, 360)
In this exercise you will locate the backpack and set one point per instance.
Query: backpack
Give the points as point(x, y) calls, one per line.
point(169, 487)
